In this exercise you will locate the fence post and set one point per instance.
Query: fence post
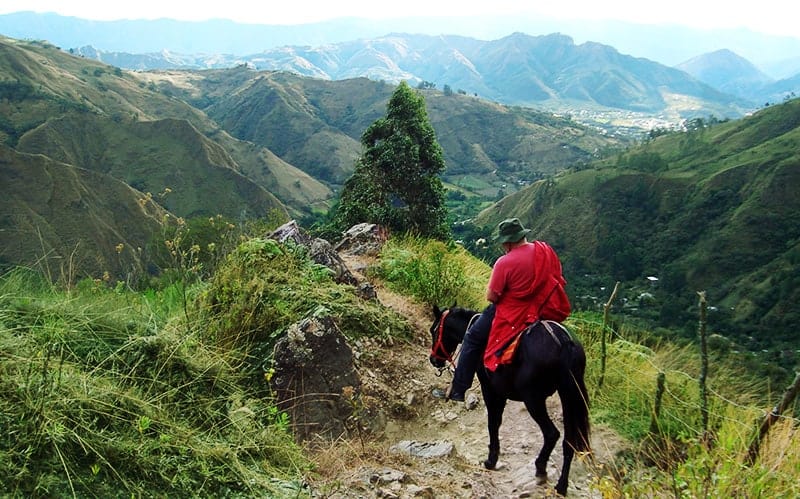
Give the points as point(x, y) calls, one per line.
point(657, 404)
point(606, 309)
point(769, 420)
point(703, 364)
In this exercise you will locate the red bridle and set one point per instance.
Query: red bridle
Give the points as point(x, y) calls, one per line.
point(439, 345)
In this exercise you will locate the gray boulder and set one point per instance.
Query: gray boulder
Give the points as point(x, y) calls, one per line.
point(314, 380)
point(363, 239)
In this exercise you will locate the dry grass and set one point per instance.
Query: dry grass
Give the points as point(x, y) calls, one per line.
point(97, 397)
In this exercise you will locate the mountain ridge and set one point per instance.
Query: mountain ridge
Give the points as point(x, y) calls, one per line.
point(297, 117)
point(717, 69)
point(49, 82)
point(302, 49)
point(730, 73)
point(66, 219)
point(667, 44)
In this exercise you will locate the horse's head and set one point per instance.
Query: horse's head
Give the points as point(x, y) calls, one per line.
point(447, 331)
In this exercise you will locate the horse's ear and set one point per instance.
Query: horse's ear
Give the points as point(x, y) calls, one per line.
point(436, 311)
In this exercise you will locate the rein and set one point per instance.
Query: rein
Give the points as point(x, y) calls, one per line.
point(439, 345)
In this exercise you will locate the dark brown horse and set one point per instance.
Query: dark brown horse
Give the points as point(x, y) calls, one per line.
point(547, 360)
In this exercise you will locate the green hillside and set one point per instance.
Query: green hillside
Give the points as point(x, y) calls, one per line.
point(245, 144)
point(113, 113)
point(712, 208)
point(69, 220)
point(153, 156)
point(316, 125)
point(90, 117)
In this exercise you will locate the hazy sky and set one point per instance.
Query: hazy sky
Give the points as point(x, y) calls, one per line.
point(767, 16)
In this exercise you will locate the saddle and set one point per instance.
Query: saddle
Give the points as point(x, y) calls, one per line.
point(507, 353)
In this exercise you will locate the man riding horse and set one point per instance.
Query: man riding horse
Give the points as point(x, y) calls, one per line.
point(526, 285)
point(527, 304)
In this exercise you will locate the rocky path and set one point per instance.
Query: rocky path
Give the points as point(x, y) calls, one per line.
point(386, 468)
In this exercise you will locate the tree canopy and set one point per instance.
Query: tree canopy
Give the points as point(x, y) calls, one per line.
point(396, 179)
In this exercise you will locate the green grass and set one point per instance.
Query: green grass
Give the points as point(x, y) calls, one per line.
point(113, 393)
point(671, 452)
point(263, 287)
point(100, 397)
point(472, 183)
point(434, 273)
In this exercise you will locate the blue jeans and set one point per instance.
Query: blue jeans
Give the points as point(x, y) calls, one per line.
point(472, 348)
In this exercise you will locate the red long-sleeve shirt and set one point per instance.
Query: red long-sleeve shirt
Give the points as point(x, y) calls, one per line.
point(530, 286)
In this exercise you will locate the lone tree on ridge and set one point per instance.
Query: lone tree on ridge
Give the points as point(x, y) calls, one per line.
point(396, 179)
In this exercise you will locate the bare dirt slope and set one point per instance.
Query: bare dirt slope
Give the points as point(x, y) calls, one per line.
point(400, 375)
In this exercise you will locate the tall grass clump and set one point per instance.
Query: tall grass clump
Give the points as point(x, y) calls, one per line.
point(265, 286)
point(670, 453)
point(433, 272)
point(100, 397)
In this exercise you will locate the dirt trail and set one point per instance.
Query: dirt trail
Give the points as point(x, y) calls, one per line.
point(404, 374)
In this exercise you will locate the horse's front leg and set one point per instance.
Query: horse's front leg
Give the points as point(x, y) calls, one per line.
point(495, 405)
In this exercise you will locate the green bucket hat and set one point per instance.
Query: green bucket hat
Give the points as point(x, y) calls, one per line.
point(510, 231)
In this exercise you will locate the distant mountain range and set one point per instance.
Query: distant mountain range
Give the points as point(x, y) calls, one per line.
point(735, 75)
point(590, 81)
point(548, 72)
point(485, 69)
point(777, 56)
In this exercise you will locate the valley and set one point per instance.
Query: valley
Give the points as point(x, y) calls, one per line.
point(248, 144)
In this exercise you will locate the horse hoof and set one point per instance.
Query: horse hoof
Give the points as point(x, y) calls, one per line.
point(541, 479)
point(489, 465)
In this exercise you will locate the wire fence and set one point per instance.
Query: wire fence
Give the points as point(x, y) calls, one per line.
point(644, 364)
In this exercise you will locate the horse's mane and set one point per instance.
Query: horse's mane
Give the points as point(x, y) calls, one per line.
point(461, 311)
point(465, 315)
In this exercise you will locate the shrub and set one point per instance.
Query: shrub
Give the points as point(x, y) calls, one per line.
point(434, 272)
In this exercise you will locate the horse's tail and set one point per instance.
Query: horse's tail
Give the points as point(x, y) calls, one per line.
point(574, 397)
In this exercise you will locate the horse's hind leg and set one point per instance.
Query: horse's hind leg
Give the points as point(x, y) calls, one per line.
point(538, 410)
point(563, 479)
